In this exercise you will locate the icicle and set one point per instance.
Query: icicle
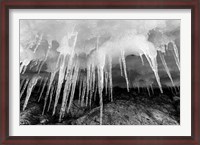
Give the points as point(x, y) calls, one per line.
point(95, 92)
point(51, 95)
point(67, 88)
point(40, 84)
point(176, 55)
point(57, 63)
point(138, 88)
point(83, 91)
point(175, 90)
point(22, 83)
point(120, 65)
point(166, 68)
point(100, 88)
point(172, 90)
point(91, 85)
point(124, 66)
point(158, 80)
point(24, 69)
point(106, 83)
point(31, 85)
point(88, 84)
point(38, 43)
point(80, 88)
point(152, 88)
point(93, 79)
point(24, 87)
point(148, 91)
point(110, 78)
point(47, 94)
point(60, 82)
point(38, 66)
point(41, 65)
point(154, 65)
point(142, 59)
point(45, 82)
point(46, 56)
point(74, 80)
point(149, 60)
point(23, 66)
point(70, 81)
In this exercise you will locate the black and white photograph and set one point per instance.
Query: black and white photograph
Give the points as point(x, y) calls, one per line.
point(99, 71)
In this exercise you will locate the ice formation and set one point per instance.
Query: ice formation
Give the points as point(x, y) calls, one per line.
point(86, 52)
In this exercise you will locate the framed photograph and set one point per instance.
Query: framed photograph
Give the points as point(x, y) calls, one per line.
point(100, 72)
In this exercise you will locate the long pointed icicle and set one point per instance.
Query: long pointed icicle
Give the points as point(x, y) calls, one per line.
point(69, 76)
point(22, 83)
point(155, 70)
point(67, 87)
point(124, 66)
point(148, 91)
point(175, 54)
point(120, 65)
point(93, 79)
point(58, 60)
point(110, 78)
point(106, 82)
point(48, 90)
point(41, 65)
point(45, 82)
point(60, 82)
point(152, 88)
point(166, 68)
point(158, 80)
point(24, 70)
point(142, 59)
point(100, 84)
point(80, 88)
point(154, 65)
point(88, 84)
point(40, 84)
point(23, 66)
point(24, 88)
point(51, 95)
point(38, 43)
point(138, 88)
point(31, 85)
point(95, 91)
point(91, 85)
point(74, 80)
point(38, 66)
point(83, 91)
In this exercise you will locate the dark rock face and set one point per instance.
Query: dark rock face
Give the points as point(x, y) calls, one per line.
point(30, 116)
point(77, 110)
point(128, 108)
point(123, 112)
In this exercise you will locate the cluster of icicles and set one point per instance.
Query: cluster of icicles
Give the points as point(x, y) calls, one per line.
point(93, 79)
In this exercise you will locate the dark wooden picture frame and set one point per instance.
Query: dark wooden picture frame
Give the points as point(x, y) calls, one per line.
point(6, 5)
